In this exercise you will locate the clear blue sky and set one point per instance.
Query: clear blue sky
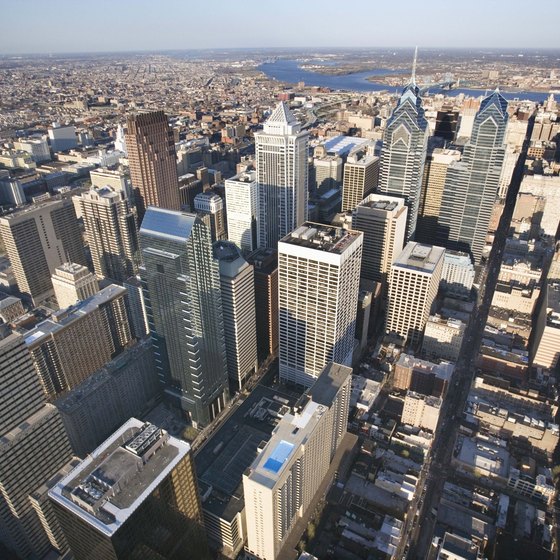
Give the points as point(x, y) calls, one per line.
point(30, 26)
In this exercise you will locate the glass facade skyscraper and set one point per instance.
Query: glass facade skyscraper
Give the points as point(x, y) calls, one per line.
point(184, 308)
point(471, 185)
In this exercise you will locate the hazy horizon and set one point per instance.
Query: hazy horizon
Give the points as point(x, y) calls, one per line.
point(65, 27)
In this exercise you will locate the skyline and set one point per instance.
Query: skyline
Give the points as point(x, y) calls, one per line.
point(139, 26)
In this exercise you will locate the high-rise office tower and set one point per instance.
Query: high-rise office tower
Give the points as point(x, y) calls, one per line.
point(238, 304)
point(73, 283)
point(210, 208)
point(282, 176)
point(447, 121)
point(33, 446)
point(184, 308)
point(135, 496)
point(62, 138)
point(136, 303)
point(471, 185)
point(413, 287)
point(318, 284)
point(73, 343)
point(405, 142)
point(110, 227)
point(361, 175)
point(432, 191)
point(38, 239)
point(116, 179)
point(283, 480)
point(153, 162)
point(327, 172)
point(265, 264)
point(241, 207)
point(382, 219)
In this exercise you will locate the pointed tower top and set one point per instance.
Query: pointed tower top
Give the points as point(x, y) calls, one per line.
point(413, 77)
point(282, 114)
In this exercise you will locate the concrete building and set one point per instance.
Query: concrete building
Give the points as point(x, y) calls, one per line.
point(435, 175)
point(457, 275)
point(36, 146)
point(265, 264)
point(546, 343)
point(238, 304)
point(413, 286)
point(443, 338)
point(110, 225)
point(210, 208)
point(33, 446)
point(455, 547)
point(38, 239)
point(241, 209)
point(421, 411)
point(327, 173)
point(405, 142)
point(134, 496)
point(72, 344)
point(471, 185)
point(124, 387)
point(180, 274)
point(117, 180)
point(361, 175)
point(282, 176)
point(152, 160)
point(382, 219)
point(62, 138)
point(318, 285)
point(283, 479)
point(10, 308)
point(73, 283)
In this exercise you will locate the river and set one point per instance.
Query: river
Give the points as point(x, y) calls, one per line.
point(289, 71)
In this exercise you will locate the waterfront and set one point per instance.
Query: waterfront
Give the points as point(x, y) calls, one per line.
point(289, 71)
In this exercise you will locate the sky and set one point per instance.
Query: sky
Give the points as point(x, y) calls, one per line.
point(59, 26)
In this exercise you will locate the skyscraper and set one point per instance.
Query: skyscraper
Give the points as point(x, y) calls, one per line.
point(241, 207)
point(184, 308)
point(282, 176)
point(38, 239)
point(284, 478)
point(319, 279)
point(382, 219)
point(135, 496)
point(110, 227)
point(33, 446)
point(152, 161)
point(73, 283)
point(73, 343)
point(413, 286)
point(361, 175)
point(238, 304)
point(405, 142)
point(471, 185)
point(210, 208)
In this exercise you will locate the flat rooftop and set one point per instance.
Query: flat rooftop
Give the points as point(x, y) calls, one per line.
point(322, 237)
point(420, 257)
point(66, 316)
point(107, 487)
point(343, 145)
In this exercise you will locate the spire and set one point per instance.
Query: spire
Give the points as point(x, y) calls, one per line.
point(413, 77)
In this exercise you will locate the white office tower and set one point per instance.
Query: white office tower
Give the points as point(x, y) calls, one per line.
point(318, 285)
point(457, 276)
point(33, 447)
point(241, 210)
point(413, 286)
point(237, 283)
point(282, 176)
point(382, 219)
point(120, 142)
point(72, 283)
point(62, 138)
point(284, 478)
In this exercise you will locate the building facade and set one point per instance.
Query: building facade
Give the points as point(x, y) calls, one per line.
point(361, 175)
point(241, 208)
point(73, 283)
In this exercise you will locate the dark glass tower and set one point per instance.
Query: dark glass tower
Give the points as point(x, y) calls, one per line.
point(184, 307)
point(471, 185)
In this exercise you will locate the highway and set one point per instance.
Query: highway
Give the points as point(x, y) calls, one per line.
point(417, 539)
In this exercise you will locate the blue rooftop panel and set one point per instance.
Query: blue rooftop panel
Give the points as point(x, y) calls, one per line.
point(278, 456)
point(167, 223)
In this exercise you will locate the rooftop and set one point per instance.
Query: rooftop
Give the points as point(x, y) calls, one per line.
point(114, 480)
point(382, 203)
point(343, 145)
point(322, 237)
point(420, 257)
point(167, 224)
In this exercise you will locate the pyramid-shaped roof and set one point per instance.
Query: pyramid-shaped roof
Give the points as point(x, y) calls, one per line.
point(282, 114)
point(496, 99)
